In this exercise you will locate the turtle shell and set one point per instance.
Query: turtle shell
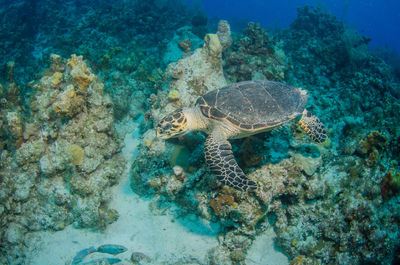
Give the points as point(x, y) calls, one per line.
point(254, 105)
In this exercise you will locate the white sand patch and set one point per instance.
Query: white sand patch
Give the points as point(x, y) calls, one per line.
point(159, 237)
point(263, 251)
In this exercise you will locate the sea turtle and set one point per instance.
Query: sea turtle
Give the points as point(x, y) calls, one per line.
point(237, 111)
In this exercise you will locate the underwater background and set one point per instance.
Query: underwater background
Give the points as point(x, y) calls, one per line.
point(85, 180)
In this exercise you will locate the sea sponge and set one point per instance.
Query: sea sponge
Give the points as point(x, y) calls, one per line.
point(56, 63)
point(80, 72)
point(56, 79)
point(173, 95)
point(77, 154)
point(224, 34)
point(185, 45)
point(213, 46)
point(68, 103)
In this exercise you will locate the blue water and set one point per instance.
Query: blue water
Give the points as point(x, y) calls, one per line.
point(376, 19)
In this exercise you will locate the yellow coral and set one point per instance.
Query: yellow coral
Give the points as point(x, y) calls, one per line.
point(74, 61)
point(56, 79)
point(79, 72)
point(298, 260)
point(77, 154)
point(173, 95)
point(71, 92)
point(68, 103)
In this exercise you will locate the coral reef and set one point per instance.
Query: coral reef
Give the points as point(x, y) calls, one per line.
point(390, 184)
point(66, 159)
point(186, 82)
point(373, 146)
point(255, 55)
point(185, 45)
point(333, 203)
point(183, 41)
point(89, 29)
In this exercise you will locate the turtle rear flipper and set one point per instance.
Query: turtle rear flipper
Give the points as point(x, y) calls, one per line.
point(219, 157)
point(313, 127)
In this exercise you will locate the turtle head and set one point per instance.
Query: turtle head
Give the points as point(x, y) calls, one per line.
point(173, 125)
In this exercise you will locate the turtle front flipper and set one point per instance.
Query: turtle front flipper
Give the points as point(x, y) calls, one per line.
point(313, 127)
point(219, 157)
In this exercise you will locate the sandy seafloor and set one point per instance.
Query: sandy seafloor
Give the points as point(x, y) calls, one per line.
point(156, 233)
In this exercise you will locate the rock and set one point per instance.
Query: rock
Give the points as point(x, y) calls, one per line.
point(308, 164)
point(197, 74)
point(15, 233)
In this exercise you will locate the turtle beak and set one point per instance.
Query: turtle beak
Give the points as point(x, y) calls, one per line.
point(158, 133)
point(161, 135)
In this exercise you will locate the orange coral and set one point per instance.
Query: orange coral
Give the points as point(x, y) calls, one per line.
point(80, 72)
point(390, 184)
point(221, 202)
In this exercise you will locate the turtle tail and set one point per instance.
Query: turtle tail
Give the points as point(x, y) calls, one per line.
point(313, 127)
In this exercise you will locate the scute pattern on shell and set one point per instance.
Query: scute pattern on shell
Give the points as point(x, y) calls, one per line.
point(254, 105)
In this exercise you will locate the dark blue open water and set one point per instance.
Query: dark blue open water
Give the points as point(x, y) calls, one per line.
point(373, 18)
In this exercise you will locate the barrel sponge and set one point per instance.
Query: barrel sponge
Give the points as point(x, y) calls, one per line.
point(213, 46)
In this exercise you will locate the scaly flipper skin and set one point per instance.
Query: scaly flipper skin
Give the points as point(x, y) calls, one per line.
point(219, 157)
point(313, 127)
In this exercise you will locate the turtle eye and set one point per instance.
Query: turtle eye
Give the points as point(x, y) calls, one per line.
point(166, 126)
